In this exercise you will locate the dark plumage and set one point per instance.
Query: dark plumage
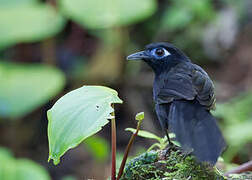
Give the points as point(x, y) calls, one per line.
point(184, 95)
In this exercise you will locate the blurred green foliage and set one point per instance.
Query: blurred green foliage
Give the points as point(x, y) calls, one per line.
point(27, 21)
point(78, 115)
point(25, 87)
point(109, 13)
point(183, 12)
point(20, 169)
point(69, 177)
point(5, 3)
point(237, 117)
point(185, 19)
point(98, 147)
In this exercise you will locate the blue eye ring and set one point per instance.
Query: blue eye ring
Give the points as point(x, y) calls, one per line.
point(160, 52)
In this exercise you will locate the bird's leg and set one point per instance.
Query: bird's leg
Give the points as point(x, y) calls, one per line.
point(167, 135)
point(171, 146)
point(168, 138)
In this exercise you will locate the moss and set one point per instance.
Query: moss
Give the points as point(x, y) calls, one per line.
point(168, 164)
point(245, 176)
point(138, 166)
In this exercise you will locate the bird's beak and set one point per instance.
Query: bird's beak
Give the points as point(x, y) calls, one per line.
point(138, 56)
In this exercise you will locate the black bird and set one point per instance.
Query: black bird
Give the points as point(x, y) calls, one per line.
point(184, 95)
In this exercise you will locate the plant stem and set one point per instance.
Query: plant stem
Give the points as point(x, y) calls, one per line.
point(240, 169)
point(113, 145)
point(127, 151)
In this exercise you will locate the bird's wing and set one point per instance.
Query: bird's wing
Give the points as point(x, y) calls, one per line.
point(186, 81)
point(203, 86)
point(175, 84)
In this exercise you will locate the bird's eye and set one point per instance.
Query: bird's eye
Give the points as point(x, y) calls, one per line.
point(160, 52)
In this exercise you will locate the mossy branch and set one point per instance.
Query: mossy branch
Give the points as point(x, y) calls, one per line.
point(170, 164)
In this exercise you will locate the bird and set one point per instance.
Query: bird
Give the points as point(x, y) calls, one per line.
point(184, 96)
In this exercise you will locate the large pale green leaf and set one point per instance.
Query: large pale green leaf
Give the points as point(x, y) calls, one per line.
point(25, 87)
point(28, 23)
point(20, 169)
point(78, 115)
point(107, 13)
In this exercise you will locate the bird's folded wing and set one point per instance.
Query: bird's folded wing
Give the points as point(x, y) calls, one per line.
point(186, 81)
point(204, 87)
point(176, 84)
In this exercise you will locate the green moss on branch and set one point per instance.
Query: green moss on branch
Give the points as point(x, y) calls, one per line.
point(168, 164)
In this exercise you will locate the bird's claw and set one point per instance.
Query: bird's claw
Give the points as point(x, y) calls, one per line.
point(171, 147)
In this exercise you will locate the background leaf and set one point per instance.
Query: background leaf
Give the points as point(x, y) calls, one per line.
point(107, 13)
point(98, 147)
point(78, 115)
point(29, 170)
point(236, 110)
point(183, 12)
point(237, 118)
point(28, 23)
point(25, 87)
point(17, 2)
point(21, 169)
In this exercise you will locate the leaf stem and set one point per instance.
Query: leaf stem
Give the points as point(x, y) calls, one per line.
point(127, 150)
point(113, 145)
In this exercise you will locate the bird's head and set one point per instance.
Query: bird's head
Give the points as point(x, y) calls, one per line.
point(160, 56)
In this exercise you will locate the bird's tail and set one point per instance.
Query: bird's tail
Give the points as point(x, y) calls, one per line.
point(196, 130)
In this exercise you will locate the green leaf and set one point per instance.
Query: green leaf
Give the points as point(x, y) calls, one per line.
point(107, 13)
point(176, 143)
point(29, 170)
point(25, 87)
point(17, 2)
point(236, 115)
point(239, 134)
point(174, 19)
point(144, 134)
point(69, 177)
point(236, 110)
point(5, 154)
point(153, 146)
point(182, 13)
point(140, 116)
point(98, 147)
point(21, 169)
point(28, 23)
point(78, 115)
